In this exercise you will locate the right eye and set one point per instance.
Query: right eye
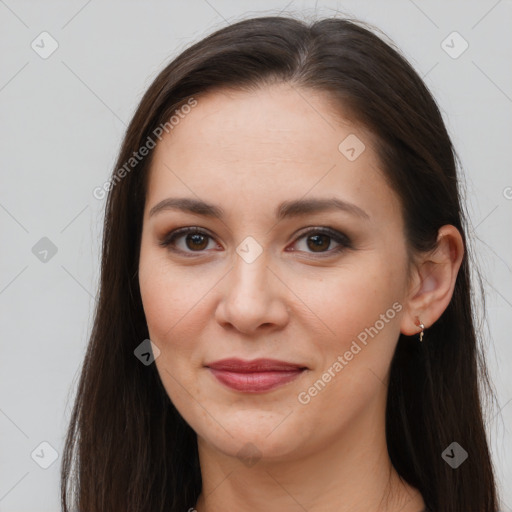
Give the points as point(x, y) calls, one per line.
point(195, 239)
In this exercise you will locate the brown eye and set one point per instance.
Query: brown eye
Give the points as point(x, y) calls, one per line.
point(195, 241)
point(320, 241)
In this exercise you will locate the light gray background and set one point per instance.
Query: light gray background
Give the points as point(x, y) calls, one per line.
point(62, 120)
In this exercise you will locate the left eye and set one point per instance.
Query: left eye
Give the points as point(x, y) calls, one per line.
point(318, 241)
point(196, 241)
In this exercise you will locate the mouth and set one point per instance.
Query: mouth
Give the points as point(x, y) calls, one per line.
point(255, 376)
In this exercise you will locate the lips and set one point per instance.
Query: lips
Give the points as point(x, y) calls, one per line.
point(254, 376)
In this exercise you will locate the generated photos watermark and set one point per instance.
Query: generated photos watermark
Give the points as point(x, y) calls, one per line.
point(305, 397)
point(143, 151)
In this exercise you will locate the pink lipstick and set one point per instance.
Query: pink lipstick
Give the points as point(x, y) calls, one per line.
point(254, 376)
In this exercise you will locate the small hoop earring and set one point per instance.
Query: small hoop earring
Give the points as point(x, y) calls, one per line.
point(422, 331)
point(422, 327)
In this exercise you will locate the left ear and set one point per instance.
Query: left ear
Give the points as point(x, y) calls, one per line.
point(433, 281)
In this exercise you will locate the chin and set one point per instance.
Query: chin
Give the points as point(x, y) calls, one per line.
point(267, 440)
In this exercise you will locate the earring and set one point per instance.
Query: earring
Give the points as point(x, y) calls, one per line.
point(421, 326)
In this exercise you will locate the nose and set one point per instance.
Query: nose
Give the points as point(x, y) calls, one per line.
point(253, 298)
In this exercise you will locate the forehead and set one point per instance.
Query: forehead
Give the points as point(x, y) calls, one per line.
point(264, 144)
point(280, 121)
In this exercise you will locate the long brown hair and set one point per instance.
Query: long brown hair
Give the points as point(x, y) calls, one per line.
point(127, 447)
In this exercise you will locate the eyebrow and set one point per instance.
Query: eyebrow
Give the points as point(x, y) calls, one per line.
point(287, 209)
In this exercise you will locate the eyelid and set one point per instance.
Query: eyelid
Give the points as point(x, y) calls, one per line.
point(323, 230)
point(339, 237)
point(168, 239)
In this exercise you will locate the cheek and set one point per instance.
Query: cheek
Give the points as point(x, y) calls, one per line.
point(175, 304)
point(361, 306)
point(351, 298)
point(168, 295)
point(158, 300)
point(169, 302)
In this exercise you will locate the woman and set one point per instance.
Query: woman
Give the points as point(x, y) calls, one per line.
point(284, 319)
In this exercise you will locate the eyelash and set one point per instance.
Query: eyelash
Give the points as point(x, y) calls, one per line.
point(345, 243)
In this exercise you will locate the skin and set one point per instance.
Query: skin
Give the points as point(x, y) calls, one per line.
point(248, 152)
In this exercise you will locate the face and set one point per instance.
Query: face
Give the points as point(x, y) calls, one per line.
point(318, 288)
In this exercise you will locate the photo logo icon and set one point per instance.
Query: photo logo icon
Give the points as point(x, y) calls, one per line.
point(44, 250)
point(351, 147)
point(147, 352)
point(44, 45)
point(454, 455)
point(454, 45)
point(44, 455)
point(249, 249)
